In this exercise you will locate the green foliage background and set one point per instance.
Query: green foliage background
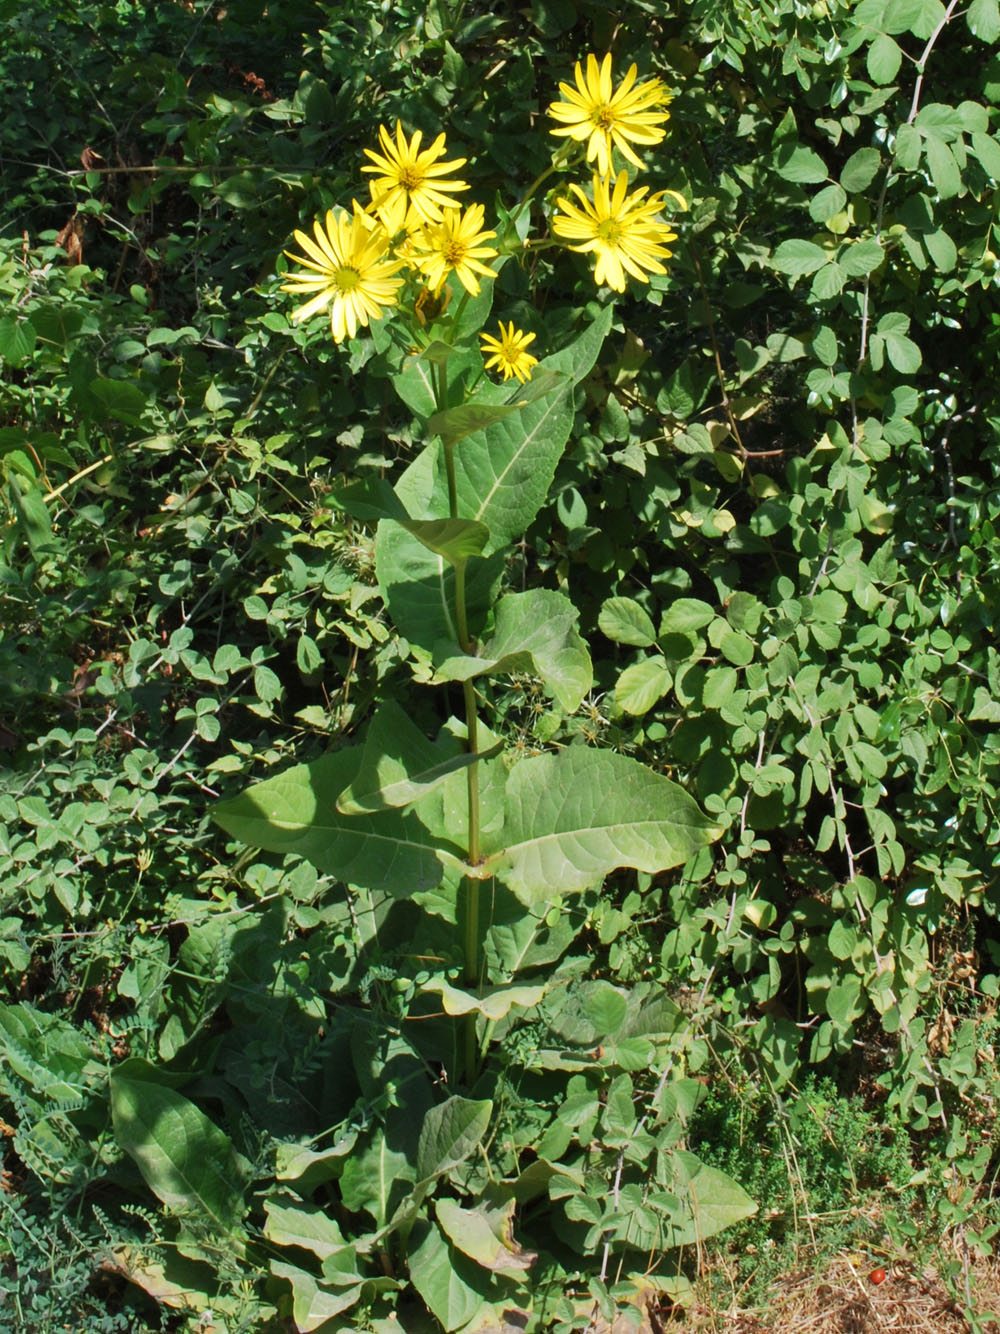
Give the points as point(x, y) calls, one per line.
point(776, 518)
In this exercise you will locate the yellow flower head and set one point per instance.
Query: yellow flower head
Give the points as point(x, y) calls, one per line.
point(455, 245)
point(346, 269)
point(621, 228)
point(605, 118)
point(408, 188)
point(509, 352)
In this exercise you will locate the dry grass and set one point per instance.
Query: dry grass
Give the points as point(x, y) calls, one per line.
point(841, 1299)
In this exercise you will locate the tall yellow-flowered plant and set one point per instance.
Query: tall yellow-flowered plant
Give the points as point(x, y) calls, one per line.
point(400, 249)
point(623, 230)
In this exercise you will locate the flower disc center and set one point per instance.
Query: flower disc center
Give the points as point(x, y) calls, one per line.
point(347, 279)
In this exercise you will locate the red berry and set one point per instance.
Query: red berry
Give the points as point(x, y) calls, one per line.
point(877, 1276)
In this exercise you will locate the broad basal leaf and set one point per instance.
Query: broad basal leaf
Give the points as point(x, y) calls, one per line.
point(313, 1303)
point(575, 816)
point(295, 1222)
point(186, 1160)
point(453, 1287)
point(450, 1133)
point(535, 632)
point(485, 1234)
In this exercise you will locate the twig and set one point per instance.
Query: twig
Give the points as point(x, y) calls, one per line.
point(719, 374)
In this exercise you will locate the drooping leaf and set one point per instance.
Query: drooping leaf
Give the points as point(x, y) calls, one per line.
point(575, 816)
point(535, 632)
point(485, 1234)
point(399, 765)
point(491, 1002)
point(295, 1222)
point(453, 1286)
point(186, 1160)
point(313, 1302)
point(454, 539)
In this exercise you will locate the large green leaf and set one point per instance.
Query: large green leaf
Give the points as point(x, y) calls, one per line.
point(313, 1303)
point(450, 1133)
point(485, 1234)
point(296, 811)
point(535, 632)
point(415, 383)
point(372, 1177)
point(453, 1286)
point(503, 475)
point(419, 586)
point(295, 1222)
point(573, 817)
point(185, 1159)
point(715, 1200)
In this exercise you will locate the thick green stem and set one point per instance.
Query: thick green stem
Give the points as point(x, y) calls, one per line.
point(470, 971)
point(472, 724)
point(449, 467)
